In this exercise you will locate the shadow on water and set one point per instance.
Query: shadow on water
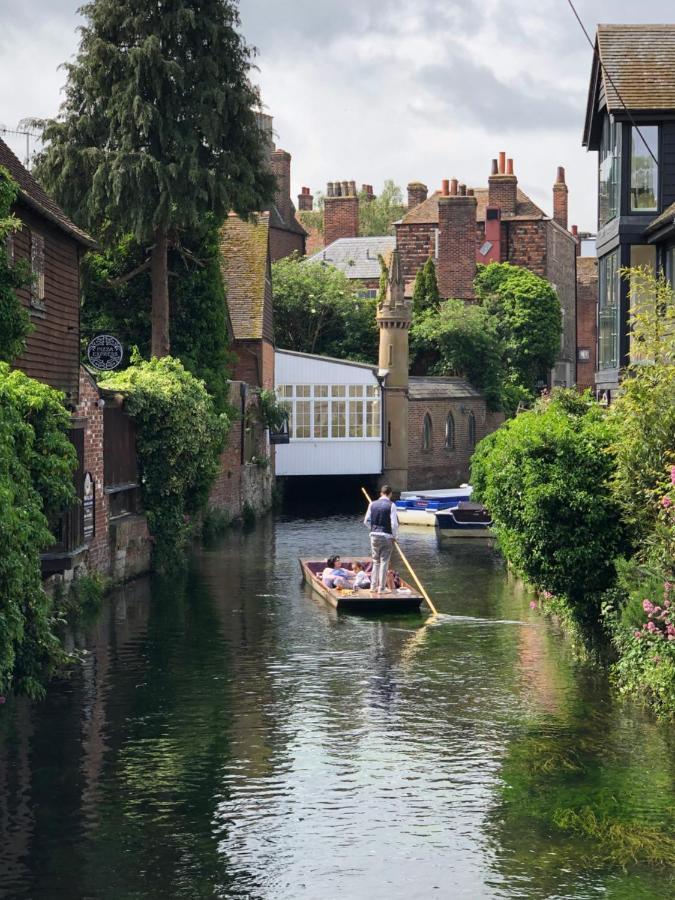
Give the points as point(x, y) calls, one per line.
point(231, 735)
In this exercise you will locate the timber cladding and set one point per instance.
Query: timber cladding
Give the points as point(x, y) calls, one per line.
point(52, 352)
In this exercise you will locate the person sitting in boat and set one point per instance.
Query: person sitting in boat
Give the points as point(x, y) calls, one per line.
point(361, 579)
point(334, 575)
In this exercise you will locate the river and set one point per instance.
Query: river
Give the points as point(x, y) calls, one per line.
point(228, 735)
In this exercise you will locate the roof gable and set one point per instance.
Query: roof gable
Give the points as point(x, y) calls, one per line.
point(33, 196)
point(245, 265)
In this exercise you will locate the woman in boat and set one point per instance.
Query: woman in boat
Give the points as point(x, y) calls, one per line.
point(334, 575)
point(361, 578)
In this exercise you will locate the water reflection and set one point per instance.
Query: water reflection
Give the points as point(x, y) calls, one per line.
point(228, 735)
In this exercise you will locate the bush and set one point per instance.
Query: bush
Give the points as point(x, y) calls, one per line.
point(36, 465)
point(14, 319)
point(179, 439)
point(545, 478)
point(214, 523)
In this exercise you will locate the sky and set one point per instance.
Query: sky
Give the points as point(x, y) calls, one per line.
point(366, 90)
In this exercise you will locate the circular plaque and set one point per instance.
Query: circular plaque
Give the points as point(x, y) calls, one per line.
point(105, 352)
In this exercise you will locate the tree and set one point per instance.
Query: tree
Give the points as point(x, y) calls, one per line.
point(317, 310)
point(157, 129)
point(197, 309)
point(425, 290)
point(528, 317)
point(14, 319)
point(459, 339)
point(376, 217)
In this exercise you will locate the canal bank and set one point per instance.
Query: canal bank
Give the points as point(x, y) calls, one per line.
point(230, 736)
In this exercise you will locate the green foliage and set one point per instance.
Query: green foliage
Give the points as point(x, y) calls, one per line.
point(317, 310)
point(14, 319)
point(36, 464)
point(84, 598)
point(247, 516)
point(644, 411)
point(179, 439)
point(312, 219)
point(198, 308)
point(214, 523)
point(528, 318)
point(272, 413)
point(459, 339)
point(545, 477)
point(425, 290)
point(384, 279)
point(376, 217)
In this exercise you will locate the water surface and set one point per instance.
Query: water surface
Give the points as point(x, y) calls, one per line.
point(229, 735)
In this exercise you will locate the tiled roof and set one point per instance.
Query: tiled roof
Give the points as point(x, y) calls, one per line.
point(356, 257)
point(640, 60)
point(32, 195)
point(423, 387)
point(427, 212)
point(287, 223)
point(667, 217)
point(244, 261)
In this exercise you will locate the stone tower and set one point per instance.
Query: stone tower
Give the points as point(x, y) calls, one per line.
point(394, 315)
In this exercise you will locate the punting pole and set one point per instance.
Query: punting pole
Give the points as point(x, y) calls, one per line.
point(409, 568)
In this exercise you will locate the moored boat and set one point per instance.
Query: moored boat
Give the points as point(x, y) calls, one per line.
point(420, 508)
point(466, 520)
point(403, 599)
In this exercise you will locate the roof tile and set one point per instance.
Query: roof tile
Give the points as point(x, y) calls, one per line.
point(640, 61)
point(427, 212)
point(244, 262)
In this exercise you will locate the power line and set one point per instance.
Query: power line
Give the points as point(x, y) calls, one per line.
point(596, 53)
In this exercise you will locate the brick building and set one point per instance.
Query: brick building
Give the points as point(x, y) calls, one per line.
point(286, 234)
point(359, 259)
point(460, 227)
point(587, 311)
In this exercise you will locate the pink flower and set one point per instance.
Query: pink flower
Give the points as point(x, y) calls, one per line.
point(648, 606)
point(651, 627)
point(672, 474)
point(666, 502)
point(667, 587)
point(547, 595)
point(533, 604)
point(637, 634)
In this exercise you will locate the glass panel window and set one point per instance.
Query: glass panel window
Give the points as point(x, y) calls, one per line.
point(339, 419)
point(320, 390)
point(372, 418)
point(356, 390)
point(338, 390)
point(644, 170)
point(303, 390)
point(284, 390)
point(356, 418)
point(608, 311)
point(609, 171)
point(450, 432)
point(302, 419)
point(372, 390)
point(321, 418)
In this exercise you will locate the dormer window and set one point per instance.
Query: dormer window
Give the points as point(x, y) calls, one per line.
point(609, 174)
point(644, 169)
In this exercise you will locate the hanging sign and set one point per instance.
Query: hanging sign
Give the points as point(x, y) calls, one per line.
point(105, 352)
point(88, 507)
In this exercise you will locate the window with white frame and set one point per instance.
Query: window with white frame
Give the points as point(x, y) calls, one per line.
point(335, 412)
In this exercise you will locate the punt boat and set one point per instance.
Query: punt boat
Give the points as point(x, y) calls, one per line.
point(466, 520)
point(404, 599)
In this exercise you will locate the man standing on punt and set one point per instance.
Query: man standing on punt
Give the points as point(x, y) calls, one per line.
point(382, 521)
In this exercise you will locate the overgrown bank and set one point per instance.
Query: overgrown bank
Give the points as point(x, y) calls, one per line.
point(583, 499)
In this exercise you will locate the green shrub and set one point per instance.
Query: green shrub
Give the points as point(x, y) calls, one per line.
point(14, 318)
point(545, 478)
point(84, 597)
point(214, 523)
point(247, 516)
point(179, 440)
point(36, 465)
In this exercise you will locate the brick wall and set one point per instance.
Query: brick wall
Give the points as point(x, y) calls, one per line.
point(503, 192)
point(340, 218)
point(456, 263)
point(415, 243)
point(283, 243)
point(98, 553)
point(527, 245)
point(417, 193)
point(587, 299)
point(441, 467)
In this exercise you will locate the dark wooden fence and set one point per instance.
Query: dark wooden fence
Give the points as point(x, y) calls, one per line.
point(120, 461)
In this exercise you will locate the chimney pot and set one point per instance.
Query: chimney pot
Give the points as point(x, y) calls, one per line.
point(453, 187)
point(560, 178)
point(509, 167)
point(329, 189)
point(445, 187)
point(575, 230)
point(462, 190)
point(352, 189)
point(470, 192)
point(502, 161)
point(494, 170)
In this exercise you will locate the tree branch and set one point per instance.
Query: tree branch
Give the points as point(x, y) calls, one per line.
point(122, 279)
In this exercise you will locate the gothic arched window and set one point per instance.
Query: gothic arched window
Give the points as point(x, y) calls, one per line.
point(450, 432)
point(472, 430)
point(426, 433)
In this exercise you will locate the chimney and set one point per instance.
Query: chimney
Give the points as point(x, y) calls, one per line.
point(491, 249)
point(417, 193)
point(445, 187)
point(503, 186)
point(456, 263)
point(281, 169)
point(560, 199)
point(367, 191)
point(575, 234)
point(341, 212)
point(305, 200)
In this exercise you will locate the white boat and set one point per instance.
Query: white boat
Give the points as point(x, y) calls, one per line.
point(420, 507)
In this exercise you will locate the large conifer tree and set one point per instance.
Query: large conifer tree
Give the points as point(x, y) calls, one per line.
point(157, 128)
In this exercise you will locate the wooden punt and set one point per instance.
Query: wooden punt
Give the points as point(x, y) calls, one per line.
point(405, 599)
